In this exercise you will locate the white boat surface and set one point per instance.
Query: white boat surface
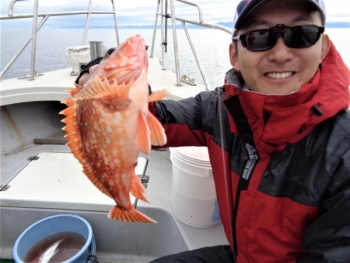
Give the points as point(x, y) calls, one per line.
point(40, 177)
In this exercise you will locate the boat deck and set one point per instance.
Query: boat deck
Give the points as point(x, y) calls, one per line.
point(66, 190)
point(52, 86)
point(29, 116)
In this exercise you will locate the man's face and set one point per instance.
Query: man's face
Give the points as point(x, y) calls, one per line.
point(280, 70)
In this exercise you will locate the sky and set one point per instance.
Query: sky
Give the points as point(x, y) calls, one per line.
point(141, 12)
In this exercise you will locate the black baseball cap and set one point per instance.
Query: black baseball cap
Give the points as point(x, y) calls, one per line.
point(245, 7)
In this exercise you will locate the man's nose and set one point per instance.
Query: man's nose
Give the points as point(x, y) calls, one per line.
point(280, 53)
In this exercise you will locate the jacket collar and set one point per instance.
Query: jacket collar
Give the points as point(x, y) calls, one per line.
point(287, 119)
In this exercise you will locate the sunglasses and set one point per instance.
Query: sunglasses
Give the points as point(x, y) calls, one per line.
point(293, 37)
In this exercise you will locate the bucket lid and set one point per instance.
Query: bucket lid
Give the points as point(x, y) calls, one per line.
point(196, 155)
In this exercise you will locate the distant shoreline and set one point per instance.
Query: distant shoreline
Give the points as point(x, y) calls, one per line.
point(190, 26)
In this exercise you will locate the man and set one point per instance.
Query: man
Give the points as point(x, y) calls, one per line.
point(278, 136)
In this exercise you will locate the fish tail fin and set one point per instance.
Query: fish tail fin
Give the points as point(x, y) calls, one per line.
point(158, 95)
point(158, 136)
point(143, 138)
point(137, 189)
point(132, 215)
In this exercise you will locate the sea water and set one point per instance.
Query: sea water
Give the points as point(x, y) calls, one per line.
point(212, 48)
point(70, 244)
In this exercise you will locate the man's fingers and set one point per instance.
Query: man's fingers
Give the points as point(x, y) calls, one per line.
point(83, 79)
point(85, 76)
point(92, 68)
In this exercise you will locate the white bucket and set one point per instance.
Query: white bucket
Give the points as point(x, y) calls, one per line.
point(193, 195)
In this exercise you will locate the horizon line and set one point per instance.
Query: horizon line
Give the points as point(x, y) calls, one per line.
point(329, 24)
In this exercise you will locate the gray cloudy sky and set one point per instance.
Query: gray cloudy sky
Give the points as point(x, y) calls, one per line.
point(141, 12)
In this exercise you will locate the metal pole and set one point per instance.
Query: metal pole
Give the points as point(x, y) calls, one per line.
point(207, 85)
point(11, 4)
point(196, 5)
point(214, 26)
point(115, 23)
point(155, 29)
point(35, 20)
point(21, 50)
point(178, 82)
point(58, 14)
point(163, 35)
point(87, 23)
point(166, 26)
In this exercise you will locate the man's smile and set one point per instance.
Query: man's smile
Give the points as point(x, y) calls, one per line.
point(279, 75)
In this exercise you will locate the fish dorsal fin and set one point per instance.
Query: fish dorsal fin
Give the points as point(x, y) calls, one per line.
point(72, 92)
point(143, 136)
point(158, 95)
point(78, 87)
point(101, 89)
point(158, 136)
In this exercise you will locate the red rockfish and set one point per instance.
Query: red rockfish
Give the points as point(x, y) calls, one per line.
point(108, 123)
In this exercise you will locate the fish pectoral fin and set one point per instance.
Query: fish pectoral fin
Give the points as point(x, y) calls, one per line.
point(131, 215)
point(137, 189)
point(158, 95)
point(158, 136)
point(143, 136)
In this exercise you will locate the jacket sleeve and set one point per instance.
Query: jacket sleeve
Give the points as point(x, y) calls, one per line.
point(185, 121)
point(327, 239)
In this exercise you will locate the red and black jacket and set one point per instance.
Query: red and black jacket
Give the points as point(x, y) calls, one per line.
point(281, 164)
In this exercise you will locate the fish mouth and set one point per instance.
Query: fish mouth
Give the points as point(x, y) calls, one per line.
point(279, 75)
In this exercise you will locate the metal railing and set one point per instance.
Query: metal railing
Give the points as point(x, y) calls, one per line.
point(35, 28)
point(163, 12)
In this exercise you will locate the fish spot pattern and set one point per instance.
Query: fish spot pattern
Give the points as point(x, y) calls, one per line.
point(106, 140)
point(109, 129)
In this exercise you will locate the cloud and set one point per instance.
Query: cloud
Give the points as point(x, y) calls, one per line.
point(135, 12)
point(338, 10)
point(141, 12)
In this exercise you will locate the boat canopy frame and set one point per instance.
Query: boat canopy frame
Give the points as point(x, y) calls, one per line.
point(36, 27)
point(162, 10)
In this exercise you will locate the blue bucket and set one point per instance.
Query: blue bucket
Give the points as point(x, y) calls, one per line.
point(52, 225)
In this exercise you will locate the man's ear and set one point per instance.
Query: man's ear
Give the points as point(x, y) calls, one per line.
point(234, 57)
point(326, 45)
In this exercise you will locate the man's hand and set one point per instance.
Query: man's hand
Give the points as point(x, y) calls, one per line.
point(85, 76)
